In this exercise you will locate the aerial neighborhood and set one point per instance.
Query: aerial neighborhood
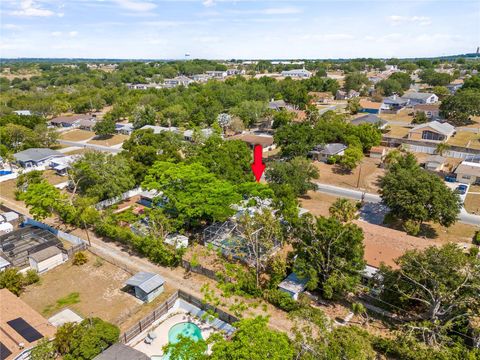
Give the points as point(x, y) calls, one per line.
point(239, 209)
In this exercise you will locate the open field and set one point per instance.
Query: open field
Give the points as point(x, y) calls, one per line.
point(77, 135)
point(465, 139)
point(98, 287)
point(318, 203)
point(397, 131)
point(114, 140)
point(7, 190)
point(368, 172)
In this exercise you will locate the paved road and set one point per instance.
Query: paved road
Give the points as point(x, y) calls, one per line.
point(464, 216)
point(90, 146)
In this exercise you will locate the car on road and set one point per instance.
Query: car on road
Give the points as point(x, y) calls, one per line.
point(461, 189)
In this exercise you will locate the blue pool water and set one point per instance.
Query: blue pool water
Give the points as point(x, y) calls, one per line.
point(5, 172)
point(186, 329)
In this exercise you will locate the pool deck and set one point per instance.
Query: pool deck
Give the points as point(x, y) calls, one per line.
point(161, 331)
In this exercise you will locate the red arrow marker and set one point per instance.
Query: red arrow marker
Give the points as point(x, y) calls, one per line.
point(258, 167)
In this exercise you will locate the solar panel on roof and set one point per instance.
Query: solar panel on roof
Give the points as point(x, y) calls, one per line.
point(28, 332)
point(4, 352)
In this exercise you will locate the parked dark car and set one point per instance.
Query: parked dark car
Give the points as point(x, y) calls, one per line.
point(461, 189)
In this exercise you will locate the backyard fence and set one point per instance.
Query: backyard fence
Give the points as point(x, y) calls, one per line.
point(126, 195)
point(74, 240)
point(199, 269)
point(163, 309)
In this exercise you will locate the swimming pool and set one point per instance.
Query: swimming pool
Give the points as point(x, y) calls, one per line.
point(5, 172)
point(187, 329)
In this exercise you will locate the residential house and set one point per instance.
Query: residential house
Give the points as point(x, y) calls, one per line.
point(159, 129)
point(370, 119)
point(393, 104)
point(188, 135)
point(147, 286)
point(147, 197)
point(219, 75)
point(125, 129)
point(23, 112)
point(87, 124)
point(69, 121)
point(119, 351)
point(455, 85)
point(233, 72)
point(177, 81)
point(277, 105)
point(378, 152)
point(420, 98)
point(431, 111)
point(46, 259)
point(265, 141)
point(21, 327)
point(435, 163)
point(62, 164)
point(343, 95)
point(293, 285)
point(297, 73)
point(327, 151)
point(432, 131)
point(468, 172)
point(36, 157)
point(201, 78)
point(370, 107)
point(319, 98)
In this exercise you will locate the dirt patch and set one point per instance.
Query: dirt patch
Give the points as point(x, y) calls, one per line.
point(318, 203)
point(7, 190)
point(52, 177)
point(365, 175)
point(457, 233)
point(114, 140)
point(77, 135)
point(99, 289)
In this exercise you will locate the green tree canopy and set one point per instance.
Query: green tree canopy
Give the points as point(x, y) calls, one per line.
point(329, 254)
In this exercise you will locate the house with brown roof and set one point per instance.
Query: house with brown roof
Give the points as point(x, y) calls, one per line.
point(21, 327)
point(433, 131)
point(378, 152)
point(431, 111)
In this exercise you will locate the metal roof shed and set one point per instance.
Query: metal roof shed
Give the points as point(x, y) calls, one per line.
point(147, 286)
point(293, 285)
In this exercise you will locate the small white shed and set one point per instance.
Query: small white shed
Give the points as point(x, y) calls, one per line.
point(293, 285)
point(46, 259)
point(4, 263)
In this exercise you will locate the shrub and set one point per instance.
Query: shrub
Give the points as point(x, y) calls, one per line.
point(31, 277)
point(281, 300)
point(80, 258)
point(12, 280)
point(411, 227)
point(476, 238)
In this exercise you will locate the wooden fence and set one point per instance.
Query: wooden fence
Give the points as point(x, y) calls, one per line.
point(199, 269)
point(163, 309)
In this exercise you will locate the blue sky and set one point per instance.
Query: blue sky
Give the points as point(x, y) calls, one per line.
point(238, 29)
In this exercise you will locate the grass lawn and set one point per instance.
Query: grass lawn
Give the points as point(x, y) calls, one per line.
point(397, 131)
point(92, 289)
point(457, 233)
point(402, 116)
point(318, 203)
point(7, 189)
point(114, 140)
point(472, 203)
point(77, 135)
point(465, 139)
point(368, 171)
point(53, 178)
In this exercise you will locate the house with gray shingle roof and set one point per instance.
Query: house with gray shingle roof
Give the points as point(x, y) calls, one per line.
point(36, 157)
point(416, 98)
point(327, 151)
point(432, 131)
point(370, 119)
point(147, 286)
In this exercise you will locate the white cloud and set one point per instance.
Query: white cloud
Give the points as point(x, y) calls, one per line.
point(208, 3)
point(73, 33)
point(421, 20)
point(30, 8)
point(11, 27)
point(136, 5)
point(282, 11)
point(56, 33)
point(59, 33)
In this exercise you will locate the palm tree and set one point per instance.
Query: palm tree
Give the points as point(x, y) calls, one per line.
point(441, 148)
